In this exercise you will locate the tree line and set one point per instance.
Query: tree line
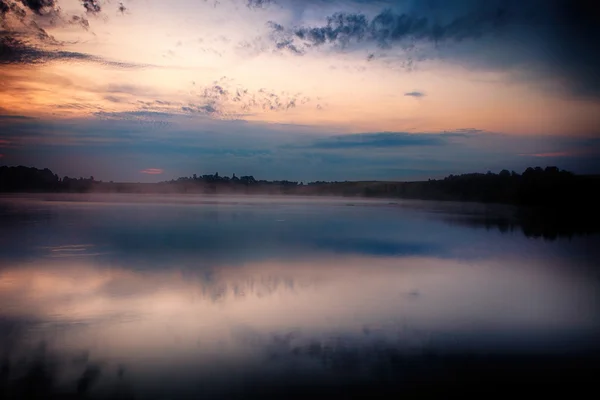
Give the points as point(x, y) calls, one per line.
point(537, 186)
point(548, 186)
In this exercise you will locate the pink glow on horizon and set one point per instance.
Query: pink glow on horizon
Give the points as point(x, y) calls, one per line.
point(152, 171)
point(555, 154)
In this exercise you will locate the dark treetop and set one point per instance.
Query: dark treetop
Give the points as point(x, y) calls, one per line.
point(534, 187)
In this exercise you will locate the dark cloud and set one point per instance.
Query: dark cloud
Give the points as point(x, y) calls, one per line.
point(289, 45)
point(15, 51)
point(77, 20)
point(577, 34)
point(282, 39)
point(40, 7)
point(204, 109)
point(389, 28)
point(374, 140)
point(415, 94)
point(341, 28)
point(91, 6)
point(26, 41)
point(258, 3)
point(14, 117)
point(543, 39)
point(275, 26)
point(4, 7)
point(463, 132)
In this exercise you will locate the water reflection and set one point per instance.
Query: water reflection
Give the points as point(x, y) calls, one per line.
point(548, 224)
point(172, 300)
point(313, 312)
point(349, 294)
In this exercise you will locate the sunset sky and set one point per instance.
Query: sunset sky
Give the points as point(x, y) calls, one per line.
point(149, 90)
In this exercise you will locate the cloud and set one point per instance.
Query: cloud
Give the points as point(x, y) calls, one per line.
point(14, 117)
point(415, 94)
point(258, 3)
point(377, 140)
point(91, 6)
point(207, 109)
point(551, 40)
point(226, 98)
point(389, 28)
point(27, 42)
point(40, 7)
point(43, 8)
point(222, 98)
point(576, 32)
point(275, 26)
point(81, 21)
point(152, 171)
point(115, 99)
point(154, 118)
point(185, 144)
point(15, 51)
point(463, 132)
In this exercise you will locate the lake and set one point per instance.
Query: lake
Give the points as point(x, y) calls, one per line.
point(164, 297)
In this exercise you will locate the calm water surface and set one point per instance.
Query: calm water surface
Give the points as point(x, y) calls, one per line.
point(167, 297)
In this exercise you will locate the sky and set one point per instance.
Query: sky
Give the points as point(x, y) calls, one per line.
point(150, 90)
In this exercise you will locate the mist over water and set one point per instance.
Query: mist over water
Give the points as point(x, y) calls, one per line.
point(174, 296)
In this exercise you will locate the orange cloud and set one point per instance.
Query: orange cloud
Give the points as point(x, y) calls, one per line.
point(152, 171)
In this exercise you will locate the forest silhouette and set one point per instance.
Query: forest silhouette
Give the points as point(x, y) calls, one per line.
point(537, 186)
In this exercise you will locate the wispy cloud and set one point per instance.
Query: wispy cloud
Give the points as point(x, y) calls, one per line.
point(16, 51)
point(415, 94)
point(14, 117)
point(224, 96)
